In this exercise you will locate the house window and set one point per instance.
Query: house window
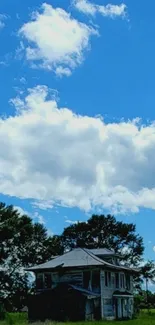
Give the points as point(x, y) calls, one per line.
point(117, 280)
point(55, 279)
point(86, 279)
point(107, 279)
point(40, 281)
point(122, 281)
point(128, 285)
point(47, 280)
point(95, 279)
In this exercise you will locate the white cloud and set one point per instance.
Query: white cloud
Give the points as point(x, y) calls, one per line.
point(43, 205)
point(1, 24)
point(2, 19)
point(51, 154)
point(71, 221)
point(35, 215)
point(154, 248)
point(22, 80)
point(21, 211)
point(39, 218)
point(50, 232)
point(55, 41)
point(60, 71)
point(92, 9)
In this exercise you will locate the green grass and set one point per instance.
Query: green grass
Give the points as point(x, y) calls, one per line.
point(21, 319)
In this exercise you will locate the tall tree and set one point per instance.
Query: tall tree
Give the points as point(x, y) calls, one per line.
point(106, 231)
point(148, 275)
point(22, 244)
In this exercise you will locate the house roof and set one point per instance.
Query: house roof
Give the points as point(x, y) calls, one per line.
point(102, 251)
point(76, 258)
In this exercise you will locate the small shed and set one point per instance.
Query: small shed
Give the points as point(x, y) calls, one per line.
point(65, 302)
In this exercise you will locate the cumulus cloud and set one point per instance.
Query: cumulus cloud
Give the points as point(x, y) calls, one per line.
point(108, 10)
point(55, 41)
point(51, 154)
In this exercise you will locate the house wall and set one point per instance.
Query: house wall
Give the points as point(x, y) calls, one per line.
point(72, 277)
point(76, 277)
point(107, 303)
point(106, 298)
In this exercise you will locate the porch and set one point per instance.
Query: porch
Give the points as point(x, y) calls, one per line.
point(123, 305)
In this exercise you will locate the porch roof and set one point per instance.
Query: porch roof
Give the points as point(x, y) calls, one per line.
point(85, 291)
point(118, 293)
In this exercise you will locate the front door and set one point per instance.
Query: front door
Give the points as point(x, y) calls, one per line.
point(119, 307)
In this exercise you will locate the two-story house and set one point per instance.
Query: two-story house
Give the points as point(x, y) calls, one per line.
point(82, 284)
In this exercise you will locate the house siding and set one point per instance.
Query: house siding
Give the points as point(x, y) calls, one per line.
point(75, 277)
point(107, 304)
point(72, 277)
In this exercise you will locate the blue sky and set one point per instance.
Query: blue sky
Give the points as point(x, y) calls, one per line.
point(77, 102)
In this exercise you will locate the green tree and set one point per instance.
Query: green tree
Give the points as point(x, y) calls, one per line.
point(106, 231)
point(148, 275)
point(22, 244)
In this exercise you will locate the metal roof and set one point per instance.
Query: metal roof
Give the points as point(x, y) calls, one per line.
point(85, 291)
point(78, 257)
point(102, 251)
point(75, 258)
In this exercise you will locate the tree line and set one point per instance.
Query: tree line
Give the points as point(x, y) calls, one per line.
point(24, 243)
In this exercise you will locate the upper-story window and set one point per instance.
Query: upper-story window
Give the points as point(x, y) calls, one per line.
point(43, 281)
point(47, 280)
point(117, 280)
point(95, 280)
point(107, 279)
point(86, 279)
point(40, 281)
point(128, 282)
point(122, 281)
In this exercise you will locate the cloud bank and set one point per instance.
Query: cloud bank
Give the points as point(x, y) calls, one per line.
point(49, 154)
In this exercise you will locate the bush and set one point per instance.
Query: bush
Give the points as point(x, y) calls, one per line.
point(15, 318)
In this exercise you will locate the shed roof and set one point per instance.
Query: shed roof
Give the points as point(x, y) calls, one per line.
point(85, 291)
point(76, 258)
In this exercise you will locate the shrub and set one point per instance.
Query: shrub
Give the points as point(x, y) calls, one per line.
point(15, 318)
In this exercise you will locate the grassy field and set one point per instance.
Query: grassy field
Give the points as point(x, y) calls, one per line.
point(143, 319)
